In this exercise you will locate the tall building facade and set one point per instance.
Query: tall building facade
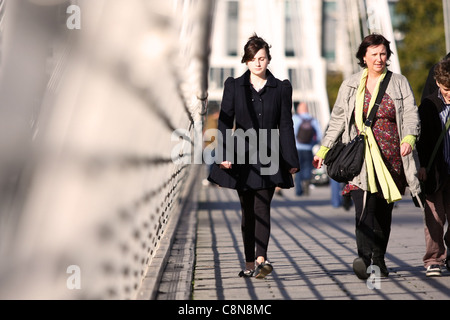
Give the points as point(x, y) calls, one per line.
point(296, 50)
point(308, 38)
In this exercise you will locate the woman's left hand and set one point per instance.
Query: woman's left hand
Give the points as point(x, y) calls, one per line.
point(293, 170)
point(317, 162)
point(405, 149)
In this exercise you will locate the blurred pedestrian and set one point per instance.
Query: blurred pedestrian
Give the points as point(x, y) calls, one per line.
point(337, 198)
point(210, 123)
point(434, 114)
point(257, 102)
point(336, 193)
point(308, 133)
point(389, 164)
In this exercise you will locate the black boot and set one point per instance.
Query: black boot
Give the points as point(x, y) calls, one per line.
point(360, 264)
point(379, 251)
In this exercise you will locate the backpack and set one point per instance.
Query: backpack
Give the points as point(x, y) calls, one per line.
point(306, 132)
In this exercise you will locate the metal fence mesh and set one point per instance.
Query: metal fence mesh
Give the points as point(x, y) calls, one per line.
point(89, 182)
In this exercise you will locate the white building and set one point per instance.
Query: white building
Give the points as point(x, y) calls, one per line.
point(307, 37)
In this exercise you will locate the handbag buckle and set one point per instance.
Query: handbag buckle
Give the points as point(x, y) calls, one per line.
point(369, 119)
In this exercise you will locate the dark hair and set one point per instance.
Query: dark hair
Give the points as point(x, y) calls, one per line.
point(442, 72)
point(253, 45)
point(372, 40)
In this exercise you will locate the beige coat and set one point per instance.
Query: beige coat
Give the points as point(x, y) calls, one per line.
point(408, 123)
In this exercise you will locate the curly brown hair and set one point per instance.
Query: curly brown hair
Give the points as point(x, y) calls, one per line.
point(442, 72)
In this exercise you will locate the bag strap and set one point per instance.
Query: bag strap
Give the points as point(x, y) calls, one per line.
point(381, 91)
point(436, 147)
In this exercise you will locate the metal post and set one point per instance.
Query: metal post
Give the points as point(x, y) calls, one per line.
point(311, 66)
point(446, 7)
point(379, 20)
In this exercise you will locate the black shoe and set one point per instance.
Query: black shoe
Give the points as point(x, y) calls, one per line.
point(246, 273)
point(447, 262)
point(263, 270)
point(360, 268)
point(384, 273)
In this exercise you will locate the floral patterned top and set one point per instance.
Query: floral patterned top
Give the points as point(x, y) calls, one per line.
point(386, 134)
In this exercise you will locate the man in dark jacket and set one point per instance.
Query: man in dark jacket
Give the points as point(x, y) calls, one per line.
point(435, 171)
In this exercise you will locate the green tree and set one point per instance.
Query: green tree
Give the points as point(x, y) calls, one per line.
point(422, 24)
point(334, 81)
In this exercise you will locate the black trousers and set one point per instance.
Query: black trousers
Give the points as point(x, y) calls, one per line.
point(373, 225)
point(255, 206)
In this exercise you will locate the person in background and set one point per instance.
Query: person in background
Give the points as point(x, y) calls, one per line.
point(337, 198)
point(389, 165)
point(261, 103)
point(434, 113)
point(336, 193)
point(210, 123)
point(308, 133)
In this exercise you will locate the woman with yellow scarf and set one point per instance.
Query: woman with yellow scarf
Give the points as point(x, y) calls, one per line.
point(390, 163)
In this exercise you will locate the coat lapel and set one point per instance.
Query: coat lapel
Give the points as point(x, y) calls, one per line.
point(245, 113)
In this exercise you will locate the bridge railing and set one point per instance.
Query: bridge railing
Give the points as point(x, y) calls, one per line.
point(95, 90)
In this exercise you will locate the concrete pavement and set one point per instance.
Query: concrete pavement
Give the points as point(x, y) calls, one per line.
point(312, 248)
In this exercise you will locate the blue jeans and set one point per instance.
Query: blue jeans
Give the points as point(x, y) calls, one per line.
point(336, 193)
point(306, 158)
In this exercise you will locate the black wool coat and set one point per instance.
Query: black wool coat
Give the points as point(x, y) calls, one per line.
point(254, 114)
point(432, 127)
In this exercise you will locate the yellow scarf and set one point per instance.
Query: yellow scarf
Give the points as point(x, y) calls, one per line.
point(374, 161)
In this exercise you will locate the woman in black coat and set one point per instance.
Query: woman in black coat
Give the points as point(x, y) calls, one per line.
point(259, 154)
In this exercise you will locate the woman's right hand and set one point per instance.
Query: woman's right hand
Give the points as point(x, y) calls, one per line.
point(317, 162)
point(225, 165)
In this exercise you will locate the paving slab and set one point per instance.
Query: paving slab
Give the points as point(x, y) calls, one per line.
point(312, 247)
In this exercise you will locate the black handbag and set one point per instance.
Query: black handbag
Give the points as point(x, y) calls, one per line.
point(344, 161)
